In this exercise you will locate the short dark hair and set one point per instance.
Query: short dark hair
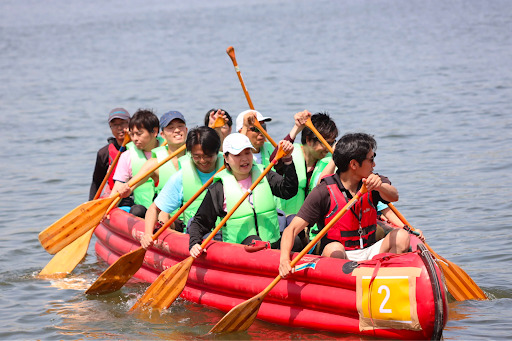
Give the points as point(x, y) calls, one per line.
point(144, 118)
point(325, 126)
point(206, 137)
point(352, 146)
point(207, 117)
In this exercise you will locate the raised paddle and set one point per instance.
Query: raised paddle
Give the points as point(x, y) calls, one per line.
point(219, 122)
point(231, 53)
point(126, 266)
point(459, 284)
point(169, 285)
point(241, 317)
point(86, 216)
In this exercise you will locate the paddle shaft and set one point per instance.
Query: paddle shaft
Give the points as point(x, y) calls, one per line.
point(310, 125)
point(171, 282)
point(186, 205)
point(133, 181)
point(459, 284)
point(241, 316)
point(112, 166)
point(244, 196)
point(231, 53)
point(194, 197)
point(218, 120)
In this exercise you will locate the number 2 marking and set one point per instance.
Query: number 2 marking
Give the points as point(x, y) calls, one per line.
point(388, 293)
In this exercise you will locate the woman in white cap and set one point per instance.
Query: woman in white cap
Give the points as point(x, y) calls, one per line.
point(256, 218)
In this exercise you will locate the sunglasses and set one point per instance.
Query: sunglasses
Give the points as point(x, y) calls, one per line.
point(372, 159)
point(256, 130)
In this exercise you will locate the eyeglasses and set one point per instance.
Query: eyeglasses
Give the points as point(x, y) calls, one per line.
point(256, 130)
point(204, 157)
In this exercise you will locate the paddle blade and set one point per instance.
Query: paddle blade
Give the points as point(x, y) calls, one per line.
point(68, 258)
point(118, 273)
point(219, 122)
point(240, 317)
point(74, 224)
point(166, 288)
point(459, 284)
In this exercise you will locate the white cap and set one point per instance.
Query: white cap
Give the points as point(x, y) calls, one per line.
point(259, 117)
point(235, 143)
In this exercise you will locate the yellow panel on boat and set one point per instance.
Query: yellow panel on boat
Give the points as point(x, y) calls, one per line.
point(390, 301)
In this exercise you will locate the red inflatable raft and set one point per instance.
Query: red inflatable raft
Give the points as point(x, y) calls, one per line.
point(391, 296)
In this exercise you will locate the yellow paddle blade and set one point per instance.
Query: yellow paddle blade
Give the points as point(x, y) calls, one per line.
point(240, 317)
point(459, 284)
point(166, 288)
point(74, 224)
point(68, 258)
point(219, 122)
point(118, 273)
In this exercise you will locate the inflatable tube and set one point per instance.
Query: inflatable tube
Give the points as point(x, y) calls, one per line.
point(390, 296)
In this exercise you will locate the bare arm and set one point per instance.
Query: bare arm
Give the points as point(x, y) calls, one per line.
point(291, 231)
point(387, 191)
point(149, 224)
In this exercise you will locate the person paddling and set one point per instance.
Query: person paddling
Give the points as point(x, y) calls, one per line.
point(310, 158)
point(353, 236)
point(197, 167)
point(211, 116)
point(144, 134)
point(245, 125)
point(174, 130)
point(118, 122)
point(256, 218)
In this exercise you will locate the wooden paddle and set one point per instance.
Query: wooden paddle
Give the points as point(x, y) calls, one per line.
point(241, 317)
point(219, 122)
point(169, 285)
point(126, 266)
point(459, 284)
point(86, 216)
point(68, 258)
point(231, 53)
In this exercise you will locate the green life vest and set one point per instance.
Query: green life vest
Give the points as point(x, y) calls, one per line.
point(167, 170)
point(143, 194)
point(192, 183)
point(266, 150)
point(292, 205)
point(243, 221)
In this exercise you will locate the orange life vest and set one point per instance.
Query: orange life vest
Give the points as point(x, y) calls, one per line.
point(356, 229)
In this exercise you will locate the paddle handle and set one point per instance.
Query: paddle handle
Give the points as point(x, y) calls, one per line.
point(112, 166)
point(244, 196)
point(186, 205)
point(319, 236)
point(310, 125)
point(231, 53)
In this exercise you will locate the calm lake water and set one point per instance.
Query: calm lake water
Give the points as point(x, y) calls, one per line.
point(431, 80)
